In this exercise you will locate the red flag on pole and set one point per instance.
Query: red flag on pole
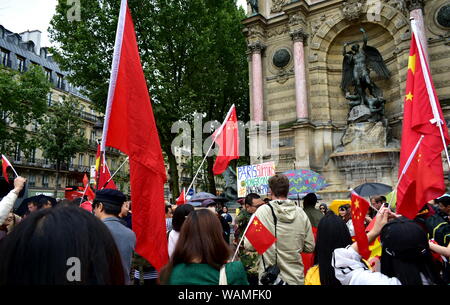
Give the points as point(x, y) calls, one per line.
point(182, 199)
point(228, 142)
point(359, 209)
point(423, 179)
point(104, 175)
point(5, 165)
point(88, 191)
point(97, 165)
point(259, 236)
point(130, 127)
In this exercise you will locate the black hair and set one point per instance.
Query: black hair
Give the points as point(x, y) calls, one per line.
point(383, 198)
point(332, 233)
point(249, 198)
point(108, 208)
point(167, 207)
point(406, 253)
point(38, 250)
point(179, 216)
point(310, 200)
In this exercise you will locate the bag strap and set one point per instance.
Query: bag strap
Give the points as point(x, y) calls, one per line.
point(223, 276)
point(276, 248)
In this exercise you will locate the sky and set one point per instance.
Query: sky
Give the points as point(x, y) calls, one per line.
point(22, 15)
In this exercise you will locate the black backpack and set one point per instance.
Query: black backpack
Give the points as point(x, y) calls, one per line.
point(438, 229)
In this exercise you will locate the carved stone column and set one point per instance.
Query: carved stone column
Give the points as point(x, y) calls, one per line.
point(298, 38)
point(415, 8)
point(255, 50)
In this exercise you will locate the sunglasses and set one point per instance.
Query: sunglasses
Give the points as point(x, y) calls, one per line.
point(343, 209)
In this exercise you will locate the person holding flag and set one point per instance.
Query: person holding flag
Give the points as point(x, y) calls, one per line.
point(290, 234)
point(7, 202)
point(405, 260)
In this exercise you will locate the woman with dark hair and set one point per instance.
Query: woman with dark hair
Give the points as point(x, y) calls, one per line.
point(64, 245)
point(332, 233)
point(201, 255)
point(323, 208)
point(405, 259)
point(179, 216)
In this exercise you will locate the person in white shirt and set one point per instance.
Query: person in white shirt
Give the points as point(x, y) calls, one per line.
point(405, 259)
point(7, 203)
point(179, 216)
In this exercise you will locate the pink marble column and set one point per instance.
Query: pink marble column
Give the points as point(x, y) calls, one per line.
point(416, 11)
point(300, 76)
point(257, 82)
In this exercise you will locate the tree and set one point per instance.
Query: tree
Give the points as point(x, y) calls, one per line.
point(62, 134)
point(22, 103)
point(192, 52)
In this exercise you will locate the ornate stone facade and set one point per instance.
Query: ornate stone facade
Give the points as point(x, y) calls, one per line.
point(316, 133)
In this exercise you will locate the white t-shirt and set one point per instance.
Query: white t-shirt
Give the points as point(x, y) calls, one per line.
point(173, 238)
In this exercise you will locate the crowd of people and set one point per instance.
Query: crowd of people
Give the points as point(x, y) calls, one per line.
point(314, 245)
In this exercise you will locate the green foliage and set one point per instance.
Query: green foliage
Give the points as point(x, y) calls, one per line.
point(22, 103)
point(62, 132)
point(192, 51)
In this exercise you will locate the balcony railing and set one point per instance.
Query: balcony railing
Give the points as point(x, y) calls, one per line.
point(41, 163)
point(89, 117)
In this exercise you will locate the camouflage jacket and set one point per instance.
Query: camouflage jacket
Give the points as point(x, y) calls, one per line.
point(250, 259)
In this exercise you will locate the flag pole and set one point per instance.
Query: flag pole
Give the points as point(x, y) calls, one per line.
point(85, 189)
point(117, 170)
point(437, 119)
point(212, 143)
point(243, 235)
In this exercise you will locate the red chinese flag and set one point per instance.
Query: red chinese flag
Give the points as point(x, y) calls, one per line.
point(228, 142)
point(89, 192)
point(360, 206)
point(259, 236)
point(424, 178)
point(104, 175)
point(182, 199)
point(5, 165)
point(130, 127)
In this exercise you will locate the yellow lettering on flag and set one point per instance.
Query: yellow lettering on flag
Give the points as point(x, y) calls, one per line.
point(412, 63)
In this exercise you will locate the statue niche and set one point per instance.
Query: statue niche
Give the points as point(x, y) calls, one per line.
point(364, 96)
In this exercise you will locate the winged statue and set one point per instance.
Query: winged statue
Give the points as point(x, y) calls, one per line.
point(356, 81)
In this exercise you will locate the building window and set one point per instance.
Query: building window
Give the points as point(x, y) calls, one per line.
point(80, 159)
point(20, 64)
point(60, 81)
point(91, 160)
point(32, 180)
point(44, 181)
point(4, 57)
point(48, 75)
point(33, 156)
point(17, 153)
point(49, 99)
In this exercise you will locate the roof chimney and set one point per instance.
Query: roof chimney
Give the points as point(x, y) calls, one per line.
point(34, 36)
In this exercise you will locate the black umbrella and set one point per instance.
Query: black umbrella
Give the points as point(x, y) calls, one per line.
point(372, 188)
point(22, 209)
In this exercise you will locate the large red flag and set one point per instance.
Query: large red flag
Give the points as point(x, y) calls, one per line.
point(130, 127)
point(5, 165)
point(424, 178)
point(228, 142)
point(359, 209)
point(259, 236)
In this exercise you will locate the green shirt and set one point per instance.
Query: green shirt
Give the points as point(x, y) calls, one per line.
point(204, 274)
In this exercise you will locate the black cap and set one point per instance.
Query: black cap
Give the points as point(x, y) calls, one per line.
point(110, 196)
point(403, 238)
point(444, 199)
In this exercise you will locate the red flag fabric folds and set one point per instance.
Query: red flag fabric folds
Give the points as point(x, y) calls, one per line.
point(182, 199)
point(424, 178)
point(89, 192)
point(228, 142)
point(259, 236)
point(130, 127)
point(5, 165)
point(104, 175)
point(359, 209)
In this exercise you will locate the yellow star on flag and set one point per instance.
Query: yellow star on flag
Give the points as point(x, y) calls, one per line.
point(357, 204)
point(255, 222)
point(412, 63)
point(409, 96)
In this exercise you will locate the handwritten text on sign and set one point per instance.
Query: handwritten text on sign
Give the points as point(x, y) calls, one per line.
point(254, 178)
